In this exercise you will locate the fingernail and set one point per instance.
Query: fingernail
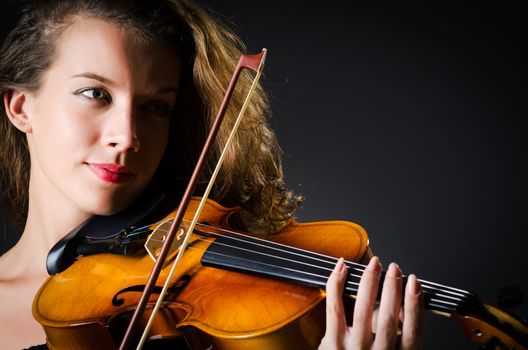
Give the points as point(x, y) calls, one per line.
point(374, 264)
point(414, 286)
point(343, 265)
point(394, 271)
point(340, 267)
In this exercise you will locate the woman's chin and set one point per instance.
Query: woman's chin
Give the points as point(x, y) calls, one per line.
point(104, 202)
point(107, 207)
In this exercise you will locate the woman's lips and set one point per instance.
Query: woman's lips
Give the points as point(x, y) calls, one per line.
point(112, 173)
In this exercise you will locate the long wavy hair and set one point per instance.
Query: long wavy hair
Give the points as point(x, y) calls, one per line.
point(251, 176)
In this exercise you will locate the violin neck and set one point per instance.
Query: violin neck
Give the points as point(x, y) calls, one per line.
point(270, 259)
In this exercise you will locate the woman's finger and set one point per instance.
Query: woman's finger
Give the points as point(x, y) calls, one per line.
point(365, 302)
point(335, 313)
point(413, 315)
point(389, 311)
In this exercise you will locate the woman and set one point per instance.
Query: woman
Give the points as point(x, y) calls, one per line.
point(105, 100)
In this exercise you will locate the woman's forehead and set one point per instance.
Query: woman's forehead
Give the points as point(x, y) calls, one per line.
point(96, 46)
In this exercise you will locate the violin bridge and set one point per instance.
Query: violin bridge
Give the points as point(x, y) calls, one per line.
point(156, 239)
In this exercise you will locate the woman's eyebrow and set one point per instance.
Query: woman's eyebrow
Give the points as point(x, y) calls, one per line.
point(167, 90)
point(95, 77)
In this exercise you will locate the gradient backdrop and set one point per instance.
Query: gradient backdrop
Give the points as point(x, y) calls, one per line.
point(406, 118)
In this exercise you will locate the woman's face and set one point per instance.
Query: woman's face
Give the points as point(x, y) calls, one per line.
point(99, 123)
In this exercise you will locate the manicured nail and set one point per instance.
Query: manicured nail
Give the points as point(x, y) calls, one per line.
point(414, 287)
point(374, 264)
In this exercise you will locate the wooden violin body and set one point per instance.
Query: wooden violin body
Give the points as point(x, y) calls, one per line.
point(87, 305)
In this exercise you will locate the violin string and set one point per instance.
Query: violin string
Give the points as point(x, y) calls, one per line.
point(325, 258)
point(323, 277)
point(432, 288)
point(436, 289)
point(456, 293)
point(322, 258)
point(432, 302)
point(429, 286)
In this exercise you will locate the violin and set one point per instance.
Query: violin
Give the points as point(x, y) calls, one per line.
point(233, 290)
point(227, 289)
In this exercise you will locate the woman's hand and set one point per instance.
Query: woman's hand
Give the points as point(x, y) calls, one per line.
point(369, 331)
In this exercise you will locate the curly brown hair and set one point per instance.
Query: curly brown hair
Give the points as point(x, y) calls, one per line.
point(251, 176)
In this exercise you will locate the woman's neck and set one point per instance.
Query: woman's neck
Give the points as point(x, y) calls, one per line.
point(48, 221)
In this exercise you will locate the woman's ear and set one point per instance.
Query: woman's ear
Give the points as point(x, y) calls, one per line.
point(15, 103)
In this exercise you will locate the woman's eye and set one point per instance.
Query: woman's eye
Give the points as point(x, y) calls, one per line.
point(159, 108)
point(95, 94)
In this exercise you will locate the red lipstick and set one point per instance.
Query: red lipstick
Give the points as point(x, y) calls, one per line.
point(112, 173)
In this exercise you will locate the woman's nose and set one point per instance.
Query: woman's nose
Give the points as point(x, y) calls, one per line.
point(121, 130)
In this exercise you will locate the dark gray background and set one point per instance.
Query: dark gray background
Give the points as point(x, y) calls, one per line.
point(407, 119)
